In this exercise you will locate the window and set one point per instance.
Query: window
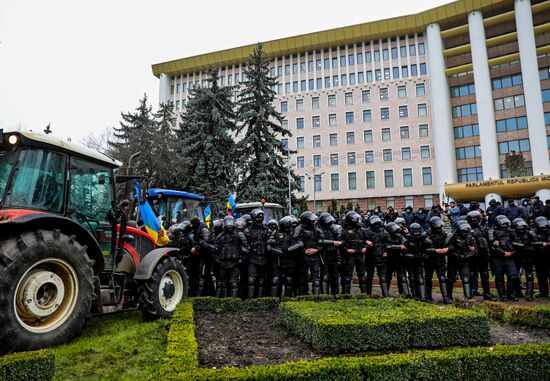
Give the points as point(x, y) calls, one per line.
point(302, 67)
point(359, 59)
point(420, 89)
point(528, 171)
point(299, 105)
point(394, 53)
point(332, 119)
point(371, 183)
point(464, 110)
point(287, 88)
point(348, 98)
point(319, 83)
point(403, 112)
point(284, 106)
point(395, 70)
point(427, 175)
point(360, 77)
point(387, 154)
point(369, 75)
point(428, 200)
point(387, 73)
point(367, 116)
point(333, 159)
point(403, 51)
point(421, 49)
point(351, 59)
point(369, 156)
point(511, 102)
point(334, 181)
point(351, 158)
point(404, 71)
point(349, 117)
point(466, 131)
point(463, 90)
point(335, 80)
point(414, 71)
point(384, 94)
point(333, 139)
point(547, 118)
point(326, 63)
point(422, 109)
point(284, 145)
point(405, 153)
point(390, 202)
point(409, 201)
point(506, 81)
point(365, 96)
point(511, 124)
point(376, 55)
point(316, 121)
point(352, 180)
point(521, 145)
point(300, 162)
point(424, 152)
point(343, 79)
point(316, 141)
point(423, 130)
point(367, 136)
point(423, 69)
point(316, 161)
point(404, 132)
point(295, 86)
point(386, 134)
point(412, 50)
point(470, 174)
point(317, 183)
point(301, 183)
point(544, 73)
point(299, 123)
point(468, 152)
point(407, 177)
point(284, 124)
point(368, 57)
point(385, 55)
point(327, 82)
point(402, 92)
point(545, 96)
point(295, 68)
point(334, 62)
point(388, 178)
point(315, 102)
point(310, 66)
point(300, 142)
point(350, 137)
point(332, 100)
point(385, 113)
point(318, 65)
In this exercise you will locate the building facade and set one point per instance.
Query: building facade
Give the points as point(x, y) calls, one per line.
point(398, 112)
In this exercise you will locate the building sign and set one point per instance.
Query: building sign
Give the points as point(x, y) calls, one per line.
point(509, 187)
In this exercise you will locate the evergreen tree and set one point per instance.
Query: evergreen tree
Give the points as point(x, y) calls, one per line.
point(165, 168)
point(261, 166)
point(136, 133)
point(205, 145)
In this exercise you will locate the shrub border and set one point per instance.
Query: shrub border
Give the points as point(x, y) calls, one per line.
point(501, 362)
point(32, 366)
point(527, 316)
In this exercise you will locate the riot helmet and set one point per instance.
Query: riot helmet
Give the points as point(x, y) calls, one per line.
point(473, 217)
point(326, 220)
point(308, 218)
point(285, 223)
point(375, 223)
point(436, 223)
point(257, 216)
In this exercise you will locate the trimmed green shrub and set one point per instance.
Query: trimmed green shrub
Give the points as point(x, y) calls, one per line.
point(181, 346)
point(37, 366)
point(494, 310)
point(234, 304)
point(536, 316)
point(349, 326)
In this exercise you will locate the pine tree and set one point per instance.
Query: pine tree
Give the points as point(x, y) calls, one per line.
point(165, 168)
point(205, 143)
point(262, 169)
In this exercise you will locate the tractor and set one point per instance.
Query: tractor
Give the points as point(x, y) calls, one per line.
point(67, 249)
point(175, 207)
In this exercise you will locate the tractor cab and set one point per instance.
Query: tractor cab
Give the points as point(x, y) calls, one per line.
point(174, 207)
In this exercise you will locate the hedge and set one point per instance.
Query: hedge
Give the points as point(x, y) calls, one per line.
point(521, 362)
point(31, 366)
point(536, 316)
point(181, 346)
point(349, 326)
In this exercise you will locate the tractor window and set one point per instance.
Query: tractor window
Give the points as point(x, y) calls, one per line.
point(91, 191)
point(39, 182)
point(6, 163)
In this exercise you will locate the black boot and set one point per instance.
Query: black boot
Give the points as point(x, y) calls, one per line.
point(384, 288)
point(346, 288)
point(324, 286)
point(422, 292)
point(234, 290)
point(450, 285)
point(316, 288)
point(444, 292)
point(251, 290)
point(405, 288)
point(368, 287)
point(514, 284)
point(467, 289)
point(499, 284)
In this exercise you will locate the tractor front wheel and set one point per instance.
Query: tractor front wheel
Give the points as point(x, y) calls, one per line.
point(46, 290)
point(164, 290)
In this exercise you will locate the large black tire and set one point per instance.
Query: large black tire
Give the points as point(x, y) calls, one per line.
point(46, 290)
point(160, 294)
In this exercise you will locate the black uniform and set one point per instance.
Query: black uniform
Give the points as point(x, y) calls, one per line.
point(231, 250)
point(434, 261)
point(479, 264)
point(416, 242)
point(258, 261)
point(542, 254)
point(502, 238)
point(394, 260)
point(525, 252)
point(201, 259)
point(309, 235)
point(462, 247)
point(330, 254)
point(377, 255)
point(353, 252)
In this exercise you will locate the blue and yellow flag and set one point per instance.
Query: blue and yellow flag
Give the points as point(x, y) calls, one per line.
point(152, 224)
point(208, 216)
point(230, 204)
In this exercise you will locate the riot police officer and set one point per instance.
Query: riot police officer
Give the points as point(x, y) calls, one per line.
point(394, 260)
point(435, 258)
point(330, 255)
point(526, 240)
point(309, 235)
point(462, 247)
point(354, 249)
point(201, 258)
point(258, 261)
point(479, 264)
point(542, 254)
point(501, 237)
point(377, 238)
point(416, 244)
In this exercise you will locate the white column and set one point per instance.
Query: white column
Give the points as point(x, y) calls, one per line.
point(531, 86)
point(164, 88)
point(544, 194)
point(484, 98)
point(492, 196)
point(442, 125)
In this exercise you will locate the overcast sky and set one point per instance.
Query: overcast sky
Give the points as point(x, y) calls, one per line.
point(78, 64)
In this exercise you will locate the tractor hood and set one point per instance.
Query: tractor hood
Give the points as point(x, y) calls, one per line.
point(11, 215)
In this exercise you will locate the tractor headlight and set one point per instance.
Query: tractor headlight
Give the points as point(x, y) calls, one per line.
point(13, 139)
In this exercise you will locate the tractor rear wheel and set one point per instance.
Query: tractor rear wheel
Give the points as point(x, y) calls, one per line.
point(164, 290)
point(46, 290)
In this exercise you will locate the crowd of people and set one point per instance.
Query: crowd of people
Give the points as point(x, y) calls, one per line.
point(244, 257)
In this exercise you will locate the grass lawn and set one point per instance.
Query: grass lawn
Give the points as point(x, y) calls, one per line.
point(114, 347)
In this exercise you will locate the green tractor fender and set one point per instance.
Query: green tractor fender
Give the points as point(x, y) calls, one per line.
point(33, 221)
point(150, 261)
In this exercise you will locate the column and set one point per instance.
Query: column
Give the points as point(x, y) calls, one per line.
point(531, 86)
point(484, 98)
point(492, 196)
point(442, 126)
point(164, 88)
